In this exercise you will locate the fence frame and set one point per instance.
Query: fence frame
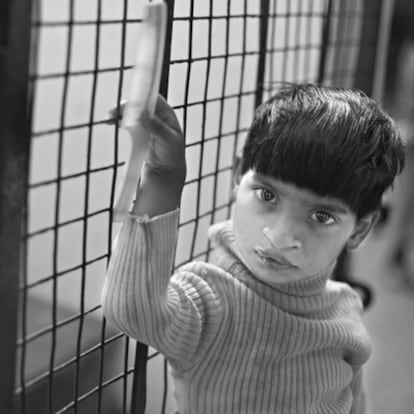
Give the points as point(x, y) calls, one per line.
point(15, 123)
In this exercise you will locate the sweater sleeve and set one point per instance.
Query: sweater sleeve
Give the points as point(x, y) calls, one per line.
point(140, 297)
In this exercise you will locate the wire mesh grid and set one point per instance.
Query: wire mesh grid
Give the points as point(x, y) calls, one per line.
point(226, 56)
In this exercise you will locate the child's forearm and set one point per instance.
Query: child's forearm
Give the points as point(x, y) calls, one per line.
point(135, 292)
point(158, 192)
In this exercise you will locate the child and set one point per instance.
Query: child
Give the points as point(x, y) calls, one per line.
point(261, 329)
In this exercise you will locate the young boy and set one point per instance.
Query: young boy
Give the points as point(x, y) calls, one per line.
point(261, 329)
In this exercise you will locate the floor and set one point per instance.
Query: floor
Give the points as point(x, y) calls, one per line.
point(389, 375)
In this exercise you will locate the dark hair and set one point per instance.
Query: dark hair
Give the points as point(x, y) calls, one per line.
point(334, 141)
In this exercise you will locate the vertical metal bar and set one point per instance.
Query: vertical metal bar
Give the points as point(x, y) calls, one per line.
point(261, 67)
point(164, 92)
point(272, 29)
point(326, 29)
point(15, 21)
point(341, 53)
point(382, 47)
point(190, 71)
point(371, 16)
point(104, 354)
point(139, 386)
point(167, 50)
point(364, 80)
point(205, 99)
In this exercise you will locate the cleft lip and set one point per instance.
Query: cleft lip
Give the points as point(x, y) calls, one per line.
point(274, 257)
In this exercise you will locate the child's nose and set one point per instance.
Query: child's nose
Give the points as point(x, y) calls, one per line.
point(283, 234)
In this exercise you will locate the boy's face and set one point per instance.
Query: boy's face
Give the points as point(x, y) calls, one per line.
point(286, 233)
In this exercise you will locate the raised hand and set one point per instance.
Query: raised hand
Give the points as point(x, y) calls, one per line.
point(166, 153)
point(163, 174)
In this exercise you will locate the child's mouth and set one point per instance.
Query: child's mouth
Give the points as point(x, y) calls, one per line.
point(273, 259)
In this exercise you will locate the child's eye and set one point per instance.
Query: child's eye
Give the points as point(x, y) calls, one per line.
point(323, 217)
point(265, 195)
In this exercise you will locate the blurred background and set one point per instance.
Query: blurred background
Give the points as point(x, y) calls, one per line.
point(223, 57)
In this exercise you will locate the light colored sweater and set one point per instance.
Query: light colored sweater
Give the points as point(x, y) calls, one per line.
point(236, 345)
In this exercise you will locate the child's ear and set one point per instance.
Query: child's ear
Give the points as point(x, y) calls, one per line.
point(236, 176)
point(237, 171)
point(362, 227)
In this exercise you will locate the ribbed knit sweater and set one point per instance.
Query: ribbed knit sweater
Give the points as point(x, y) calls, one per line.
point(235, 344)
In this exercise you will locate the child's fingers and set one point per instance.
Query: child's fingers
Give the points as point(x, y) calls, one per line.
point(160, 129)
point(163, 124)
point(167, 150)
point(164, 111)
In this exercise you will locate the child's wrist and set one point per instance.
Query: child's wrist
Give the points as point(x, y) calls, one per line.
point(158, 192)
point(174, 177)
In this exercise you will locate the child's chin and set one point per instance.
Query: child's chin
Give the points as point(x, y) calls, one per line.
point(275, 279)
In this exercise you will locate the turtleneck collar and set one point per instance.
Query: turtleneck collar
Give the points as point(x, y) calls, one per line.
point(298, 297)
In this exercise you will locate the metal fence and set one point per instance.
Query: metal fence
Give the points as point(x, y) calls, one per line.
point(61, 165)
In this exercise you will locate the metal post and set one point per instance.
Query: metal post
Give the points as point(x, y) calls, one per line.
point(367, 58)
point(139, 387)
point(261, 67)
point(326, 29)
point(15, 23)
point(365, 79)
point(383, 44)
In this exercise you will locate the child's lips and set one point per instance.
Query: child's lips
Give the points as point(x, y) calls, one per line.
point(274, 258)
